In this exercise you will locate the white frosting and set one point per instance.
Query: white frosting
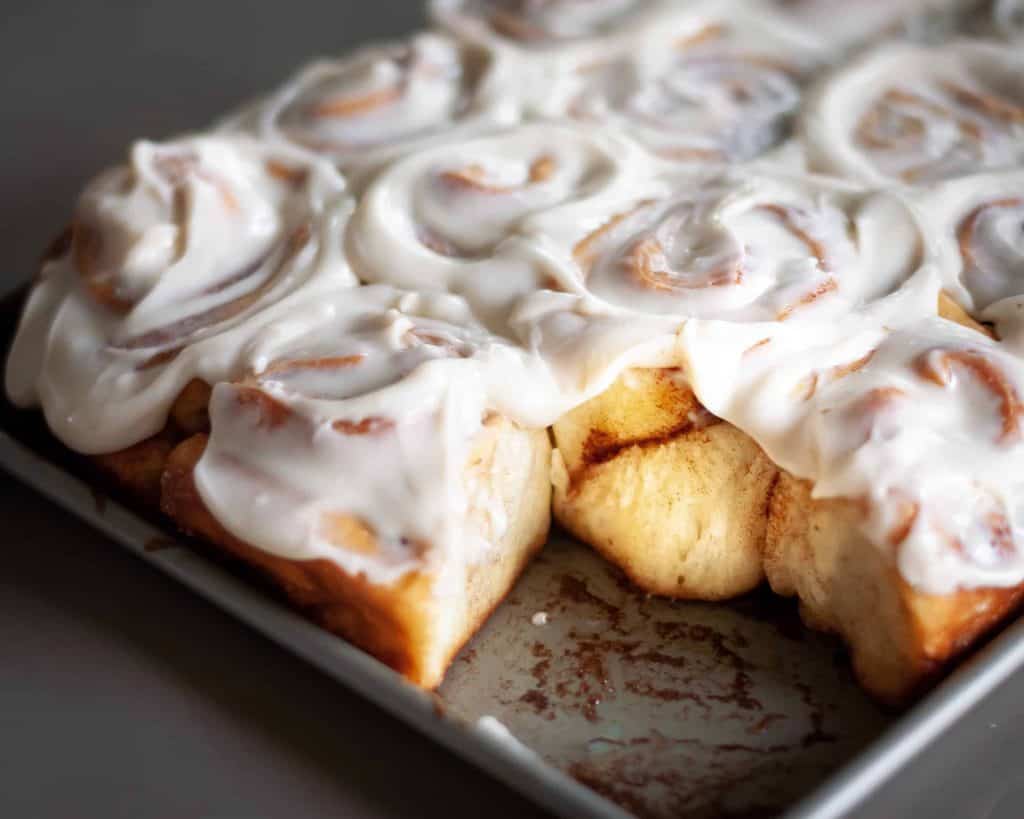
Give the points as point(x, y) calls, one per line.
point(175, 256)
point(457, 217)
point(544, 24)
point(546, 194)
point(914, 114)
point(386, 100)
point(976, 228)
point(713, 83)
point(364, 403)
point(844, 23)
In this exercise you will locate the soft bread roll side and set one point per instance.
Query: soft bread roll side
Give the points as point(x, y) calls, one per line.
point(672, 495)
point(405, 625)
point(899, 638)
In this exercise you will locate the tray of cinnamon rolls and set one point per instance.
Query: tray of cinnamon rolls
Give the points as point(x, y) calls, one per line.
point(627, 393)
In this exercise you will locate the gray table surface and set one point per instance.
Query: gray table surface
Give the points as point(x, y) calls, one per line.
point(124, 695)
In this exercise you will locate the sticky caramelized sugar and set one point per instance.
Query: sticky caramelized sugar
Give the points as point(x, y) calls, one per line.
point(291, 367)
point(906, 511)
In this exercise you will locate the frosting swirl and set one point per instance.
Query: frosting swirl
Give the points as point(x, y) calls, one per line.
point(717, 85)
point(914, 114)
point(457, 217)
point(373, 383)
point(386, 100)
point(168, 255)
point(844, 23)
point(976, 228)
point(760, 248)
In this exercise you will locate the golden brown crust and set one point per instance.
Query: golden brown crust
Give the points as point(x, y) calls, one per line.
point(138, 468)
point(389, 623)
point(405, 625)
point(899, 638)
point(950, 309)
point(190, 412)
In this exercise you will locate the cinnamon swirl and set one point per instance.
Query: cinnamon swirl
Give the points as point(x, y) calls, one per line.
point(458, 217)
point(383, 101)
point(168, 259)
point(711, 84)
point(915, 114)
point(758, 254)
point(976, 227)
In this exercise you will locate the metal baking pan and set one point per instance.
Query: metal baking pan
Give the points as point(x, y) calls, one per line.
point(582, 693)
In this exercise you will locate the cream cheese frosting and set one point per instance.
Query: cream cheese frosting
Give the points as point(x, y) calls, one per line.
point(386, 100)
point(711, 83)
point(172, 258)
point(358, 416)
point(503, 215)
point(844, 24)
point(904, 113)
point(976, 228)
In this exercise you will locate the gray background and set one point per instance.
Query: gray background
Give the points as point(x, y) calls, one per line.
point(123, 695)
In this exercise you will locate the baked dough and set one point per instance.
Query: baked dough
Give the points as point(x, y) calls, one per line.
point(672, 495)
point(408, 624)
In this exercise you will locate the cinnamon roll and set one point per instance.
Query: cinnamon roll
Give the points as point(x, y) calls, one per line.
point(382, 101)
point(907, 455)
point(914, 114)
point(763, 257)
point(458, 217)
point(762, 248)
point(360, 466)
point(169, 260)
point(711, 84)
point(976, 229)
